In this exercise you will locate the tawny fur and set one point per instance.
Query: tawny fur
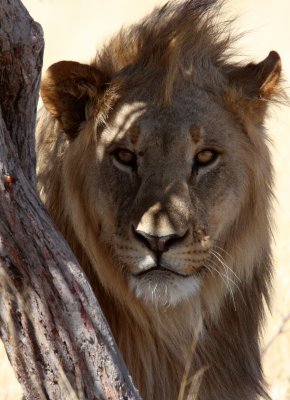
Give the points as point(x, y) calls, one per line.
point(174, 63)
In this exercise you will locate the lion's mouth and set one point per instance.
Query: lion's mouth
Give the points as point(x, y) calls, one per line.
point(163, 285)
point(163, 270)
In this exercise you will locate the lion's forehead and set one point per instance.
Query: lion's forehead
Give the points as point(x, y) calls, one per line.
point(172, 129)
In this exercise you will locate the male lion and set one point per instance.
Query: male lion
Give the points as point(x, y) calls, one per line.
point(153, 163)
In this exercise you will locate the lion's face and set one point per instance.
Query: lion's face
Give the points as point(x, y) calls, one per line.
point(166, 188)
point(160, 189)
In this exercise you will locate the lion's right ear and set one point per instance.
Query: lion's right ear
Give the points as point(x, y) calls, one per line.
point(67, 88)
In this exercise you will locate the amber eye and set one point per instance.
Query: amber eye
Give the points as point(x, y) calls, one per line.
point(205, 157)
point(125, 157)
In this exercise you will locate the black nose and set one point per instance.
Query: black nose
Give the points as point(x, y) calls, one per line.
point(157, 243)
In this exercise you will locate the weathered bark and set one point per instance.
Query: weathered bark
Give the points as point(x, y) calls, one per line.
point(54, 332)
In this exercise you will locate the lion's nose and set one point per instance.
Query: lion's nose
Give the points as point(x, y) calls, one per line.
point(157, 243)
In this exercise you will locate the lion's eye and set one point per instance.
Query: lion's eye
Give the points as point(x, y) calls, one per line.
point(205, 157)
point(125, 157)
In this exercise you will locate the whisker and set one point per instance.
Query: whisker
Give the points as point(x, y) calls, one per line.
point(222, 261)
point(226, 279)
point(223, 251)
point(228, 269)
point(210, 266)
point(225, 274)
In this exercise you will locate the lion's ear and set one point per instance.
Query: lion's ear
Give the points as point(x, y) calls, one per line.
point(66, 89)
point(254, 84)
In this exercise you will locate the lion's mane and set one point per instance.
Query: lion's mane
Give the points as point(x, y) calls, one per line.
point(176, 44)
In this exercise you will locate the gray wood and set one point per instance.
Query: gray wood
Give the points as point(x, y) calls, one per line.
point(53, 329)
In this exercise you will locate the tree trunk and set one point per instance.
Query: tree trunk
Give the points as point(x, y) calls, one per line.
point(54, 332)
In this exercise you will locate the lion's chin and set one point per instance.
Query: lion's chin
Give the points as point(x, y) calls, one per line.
point(163, 289)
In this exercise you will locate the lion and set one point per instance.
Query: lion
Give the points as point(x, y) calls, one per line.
point(154, 163)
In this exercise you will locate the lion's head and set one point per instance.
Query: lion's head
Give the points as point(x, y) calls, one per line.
point(154, 160)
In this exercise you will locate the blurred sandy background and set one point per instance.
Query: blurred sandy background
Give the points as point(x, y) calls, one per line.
point(74, 28)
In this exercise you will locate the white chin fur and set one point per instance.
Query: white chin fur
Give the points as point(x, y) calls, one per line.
point(164, 290)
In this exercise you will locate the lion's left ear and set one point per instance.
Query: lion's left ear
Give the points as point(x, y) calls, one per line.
point(255, 84)
point(66, 89)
